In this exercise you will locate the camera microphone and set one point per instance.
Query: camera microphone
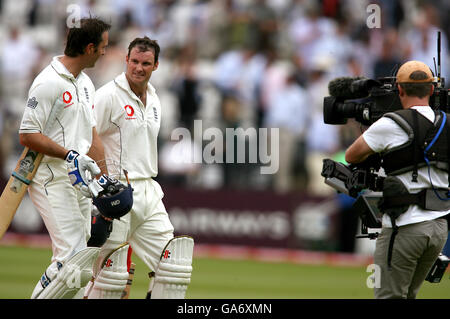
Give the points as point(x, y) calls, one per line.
point(341, 88)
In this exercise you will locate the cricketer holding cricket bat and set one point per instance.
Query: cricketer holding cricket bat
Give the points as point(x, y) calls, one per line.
point(59, 189)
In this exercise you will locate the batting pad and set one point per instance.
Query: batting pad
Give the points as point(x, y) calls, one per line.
point(74, 274)
point(112, 278)
point(174, 270)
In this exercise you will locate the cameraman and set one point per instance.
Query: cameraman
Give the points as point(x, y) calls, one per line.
point(411, 236)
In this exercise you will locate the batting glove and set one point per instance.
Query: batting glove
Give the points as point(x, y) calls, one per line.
point(77, 166)
point(105, 184)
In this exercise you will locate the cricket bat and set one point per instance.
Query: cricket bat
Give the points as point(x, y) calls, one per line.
point(126, 292)
point(21, 177)
point(131, 266)
point(14, 191)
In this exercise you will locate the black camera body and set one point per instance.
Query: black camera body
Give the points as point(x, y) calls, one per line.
point(353, 180)
point(363, 99)
point(367, 100)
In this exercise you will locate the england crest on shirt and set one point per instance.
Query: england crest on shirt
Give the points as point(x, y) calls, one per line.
point(32, 103)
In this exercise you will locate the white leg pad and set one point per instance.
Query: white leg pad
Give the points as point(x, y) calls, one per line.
point(112, 278)
point(174, 270)
point(74, 274)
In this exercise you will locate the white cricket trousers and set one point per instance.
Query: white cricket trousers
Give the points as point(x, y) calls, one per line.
point(65, 212)
point(146, 227)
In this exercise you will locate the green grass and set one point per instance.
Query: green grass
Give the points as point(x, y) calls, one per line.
point(217, 278)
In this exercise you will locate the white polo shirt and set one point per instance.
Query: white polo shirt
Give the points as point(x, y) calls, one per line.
point(56, 86)
point(128, 128)
point(385, 134)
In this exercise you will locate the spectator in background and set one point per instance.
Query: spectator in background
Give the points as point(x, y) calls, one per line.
point(393, 13)
point(18, 60)
point(273, 80)
point(162, 28)
point(186, 85)
point(240, 72)
point(235, 175)
point(363, 49)
point(262, 26)
point(421, 39)
point(188, 19)
point(389, 61)
point(322, 139)
point(309, 32)
point(300, 73)
point(219, 27)
point(288, 111)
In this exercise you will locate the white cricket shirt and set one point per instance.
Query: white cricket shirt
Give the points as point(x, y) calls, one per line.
point(56, 86)
point(128, 128)
point(385, 134)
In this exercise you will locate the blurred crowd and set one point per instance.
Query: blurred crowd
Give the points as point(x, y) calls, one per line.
point(231, 64)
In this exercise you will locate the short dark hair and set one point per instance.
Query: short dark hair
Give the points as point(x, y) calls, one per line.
point(419, 89)
point(145, 44)
point(90, 30)
point(416, 89)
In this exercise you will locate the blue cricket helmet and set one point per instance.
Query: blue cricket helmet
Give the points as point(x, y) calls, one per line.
point(116, 202)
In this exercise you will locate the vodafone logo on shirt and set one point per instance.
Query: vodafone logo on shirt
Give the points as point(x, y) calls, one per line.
point(67, 98)
point(130, 112)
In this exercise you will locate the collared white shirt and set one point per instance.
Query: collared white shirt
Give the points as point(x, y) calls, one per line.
point(385, 134)
point(55, 86)
point(128, 128)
